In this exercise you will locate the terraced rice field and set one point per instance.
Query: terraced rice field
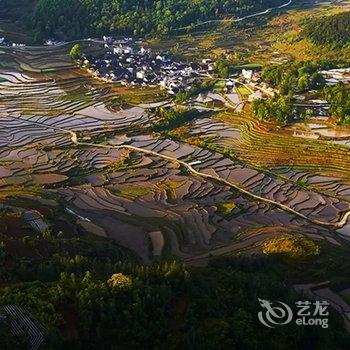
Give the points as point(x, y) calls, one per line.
point(87, 146)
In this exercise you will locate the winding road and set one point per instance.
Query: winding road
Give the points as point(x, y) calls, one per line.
point(74, 138)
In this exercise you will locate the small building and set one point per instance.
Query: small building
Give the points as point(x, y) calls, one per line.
point(160, 58)
point(256, 95)
point(230, 84)
point(141, 74)
point(107, 39)
point(207, 61)
point(247, 74)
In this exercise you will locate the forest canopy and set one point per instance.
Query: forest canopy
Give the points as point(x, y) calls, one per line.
point(68, 19)
point(86, 292)
point(330, 30)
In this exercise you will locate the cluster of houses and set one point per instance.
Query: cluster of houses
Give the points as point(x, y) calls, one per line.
point(3, 42)
point(130, 63)
point(336, 76)
point(253, 81)
point(260, 89)
point(308, 102)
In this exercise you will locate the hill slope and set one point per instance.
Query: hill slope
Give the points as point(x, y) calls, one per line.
point(331, 30)
point(68, 19)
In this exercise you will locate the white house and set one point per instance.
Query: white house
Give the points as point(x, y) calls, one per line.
point(107, 38)
point(211, 67)
point(230, 84)
point(247, 74)
point(143, 51)
point(160, 58)
point(128, 50)
point(118, 50)
point(141, 74)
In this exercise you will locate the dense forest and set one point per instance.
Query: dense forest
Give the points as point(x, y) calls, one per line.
point(288, 80)
point(339, 99)
point(67, 19)
point(296, 77)
point(278, 108)
point(85, 292)
point(331, 30)
point(300, 77)
point(168, 306)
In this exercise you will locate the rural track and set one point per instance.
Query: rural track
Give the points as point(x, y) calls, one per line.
point(233, 19)
point(74, 138)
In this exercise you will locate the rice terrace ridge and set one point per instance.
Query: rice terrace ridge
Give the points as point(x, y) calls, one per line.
point(174, 174)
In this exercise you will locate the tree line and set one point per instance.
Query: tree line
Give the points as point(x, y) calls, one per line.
point(288, 79)
point(72, 19)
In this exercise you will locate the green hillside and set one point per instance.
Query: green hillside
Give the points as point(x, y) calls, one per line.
point(331, 30)
point(68, 19)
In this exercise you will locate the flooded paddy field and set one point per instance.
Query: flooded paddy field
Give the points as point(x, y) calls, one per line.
point(337, 135)
point(226, 184)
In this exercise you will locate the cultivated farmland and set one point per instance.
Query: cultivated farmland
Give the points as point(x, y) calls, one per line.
point(88, 149)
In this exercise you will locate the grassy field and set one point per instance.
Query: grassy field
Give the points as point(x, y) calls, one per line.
point(243, 92)
point(136, 96)
point(226, 208)
point(219, 85)
point(132, 191)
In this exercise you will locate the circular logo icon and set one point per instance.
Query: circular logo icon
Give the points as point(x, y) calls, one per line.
point(274, 313)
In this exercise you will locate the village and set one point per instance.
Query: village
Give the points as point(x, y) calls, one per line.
point(132, 64)
point(127, 61)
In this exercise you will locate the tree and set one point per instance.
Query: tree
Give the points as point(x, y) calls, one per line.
point(76, 52)
point(118, 280)
point(222, 67)
point(279, 108)
point(292, 247)
point(303, 83)
point(318, 81)
point(295, 77)
point(329, 31)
